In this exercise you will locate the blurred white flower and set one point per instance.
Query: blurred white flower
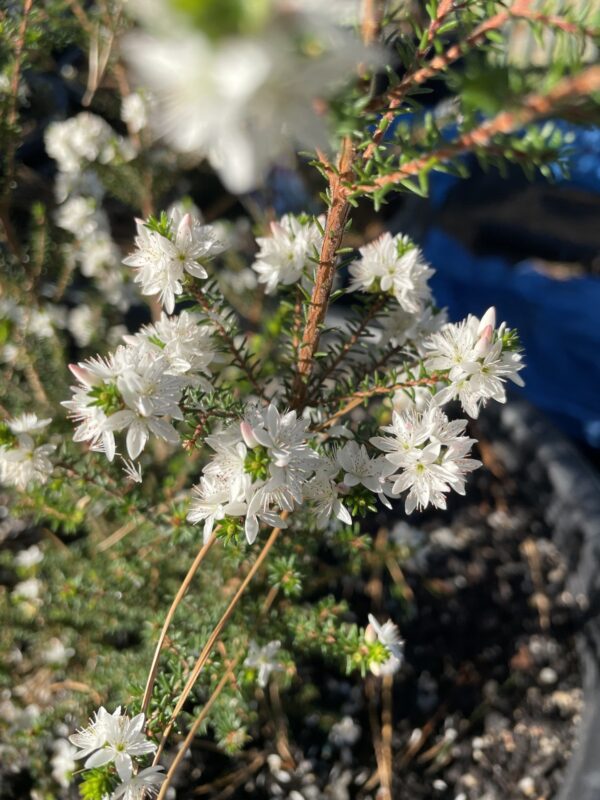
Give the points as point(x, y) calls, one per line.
point(241, 102)
point(263, 659)
point(63, 762)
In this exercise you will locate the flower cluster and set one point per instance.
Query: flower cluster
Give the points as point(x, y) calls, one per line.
point(430, 455)
point(478, 360)
point(139, 387)
point(23, 463)
point(83, 139)
point(294, 244)
point(167, 250)
point(259, 469)
point(118, 740)
point(393, 265)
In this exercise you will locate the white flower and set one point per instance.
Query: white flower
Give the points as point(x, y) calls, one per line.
point(360, 468)
point(324, 493)
point(83, 138)
point(144, 784)
point(56, 653)
point(478, 366)
point(263, 659)
point(91, 738)
point(130, 390)
point(28, 423)
point(288, 251)
point(211, 502)
point(83, 324)
point(29, 557)
point(97, 386)
point(430, 453)
point(98, 254)
point(63, 762)
point(27, 590)
point(113, 738)
point(183, 341)
point(393, 264)
point(401, 328)
point(134, 111)
point(241, 102)
point(389, 636)
point(81, 217)
point(160, 262)
point(23, 465)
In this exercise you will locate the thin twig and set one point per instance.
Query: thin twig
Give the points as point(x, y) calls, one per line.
point(169, 618)
point(227, 675)
point(534, 106)
point(212, 639)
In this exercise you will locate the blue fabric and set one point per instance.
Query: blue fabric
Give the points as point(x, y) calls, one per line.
point(558, 322)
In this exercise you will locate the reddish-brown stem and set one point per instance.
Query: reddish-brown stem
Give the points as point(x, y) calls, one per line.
point(420, 74)
point(534, 106)
point(319, 302)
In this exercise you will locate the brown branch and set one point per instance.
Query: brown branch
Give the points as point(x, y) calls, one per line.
point(332, 239)
point(236, 352)
point(534, 107)
point(354, 400)
point(419, 75)
point(350, 342)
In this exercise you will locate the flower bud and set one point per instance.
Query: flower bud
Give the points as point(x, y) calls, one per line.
point(248, 435)
point(83, 375)
point(489, 318)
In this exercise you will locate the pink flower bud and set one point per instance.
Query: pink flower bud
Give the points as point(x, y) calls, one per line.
point(186, 225)
point(489, 318)
point(248, 435)
point(83, 375)
point(484, 342)
point(370, 635)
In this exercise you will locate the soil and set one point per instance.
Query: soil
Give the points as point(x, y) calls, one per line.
point(488, 702)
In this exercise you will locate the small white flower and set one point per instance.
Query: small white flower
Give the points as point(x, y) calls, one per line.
point(325, 492)
point(24, 465)
point(182, 340)
point(389, 636)
point(144, 784)
point(83, 138)
point(160, 262)
point(134, 111)
point(113, 738)
point(63, 762)
point(81, 217)
point(28, 423)
point(393, 264)
point(29, 557)
point(287, 252)
point(360, 468)
point(472, 352)
point(264, 660)
point(27, 590)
